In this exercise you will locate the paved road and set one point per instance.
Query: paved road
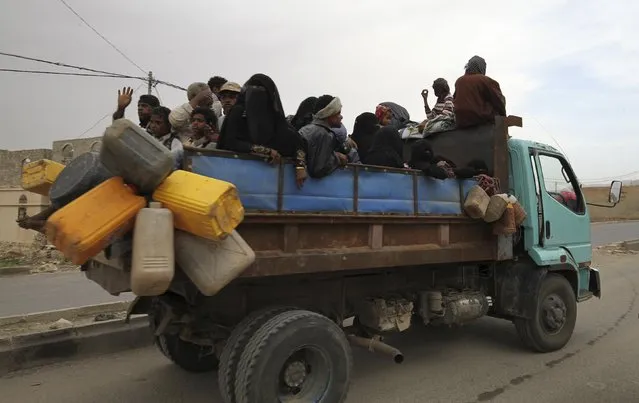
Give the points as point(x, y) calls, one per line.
point(25, 294)
point(603, 233)
point(480, 362)
point(46, 292)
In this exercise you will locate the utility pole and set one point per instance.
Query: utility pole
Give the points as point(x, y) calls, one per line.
point(150, 83)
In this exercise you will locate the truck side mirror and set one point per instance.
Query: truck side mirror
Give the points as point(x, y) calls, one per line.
point(615, 192)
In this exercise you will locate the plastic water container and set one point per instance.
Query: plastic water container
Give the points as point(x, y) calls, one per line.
point(39, 176)
point(153, 263)
point(84, 227)
point(211, 265)
point(132, 153)
point(203, 206)
point(78, 177)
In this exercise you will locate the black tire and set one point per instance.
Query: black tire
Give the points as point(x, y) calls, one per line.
point(555, 316)
point(297, 354)
point(234, 346)
point(188, 356)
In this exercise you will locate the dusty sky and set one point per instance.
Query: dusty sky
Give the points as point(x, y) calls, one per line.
point(565, 66)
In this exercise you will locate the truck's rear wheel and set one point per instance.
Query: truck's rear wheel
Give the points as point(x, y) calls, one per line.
point(554, 319)
point(188, 356)
point(295, 356)
point(234, 346)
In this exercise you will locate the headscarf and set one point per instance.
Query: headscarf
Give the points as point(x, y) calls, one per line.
point(476, 65)
point(364, 129)
point(387, 149)
point(380, 112)
point(304, 114)
point(324, 109)
point(399, 115)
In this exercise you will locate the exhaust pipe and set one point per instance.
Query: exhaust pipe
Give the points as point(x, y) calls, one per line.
point(375, 345)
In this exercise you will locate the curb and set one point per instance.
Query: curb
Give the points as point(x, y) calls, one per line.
point(69, 313)
point(15, 270)
point(37, 349)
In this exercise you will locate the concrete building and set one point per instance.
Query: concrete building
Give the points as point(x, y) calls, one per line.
point(14, 201)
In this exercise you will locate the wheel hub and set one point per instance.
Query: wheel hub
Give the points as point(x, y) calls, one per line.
point(295, 374)
point(554, 313)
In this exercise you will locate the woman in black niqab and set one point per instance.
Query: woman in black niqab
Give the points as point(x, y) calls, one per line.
point(304, 114)
point(257, 124)
point(365, 127)
point(387, 149)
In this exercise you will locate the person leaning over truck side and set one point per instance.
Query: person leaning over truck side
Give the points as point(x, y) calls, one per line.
point(204, 127)
point(146, 103)
point(197, 94)
point(161, 129)
point(257, 124)
point(322, 147)
point(478, 98)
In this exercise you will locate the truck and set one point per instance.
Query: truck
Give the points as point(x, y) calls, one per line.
point(370, 250)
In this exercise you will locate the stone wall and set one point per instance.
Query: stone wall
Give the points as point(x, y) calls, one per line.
point(65, 150)
point(11, 163)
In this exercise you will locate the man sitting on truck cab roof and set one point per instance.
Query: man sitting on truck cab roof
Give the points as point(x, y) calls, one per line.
point(478, 97)
point(323, 149)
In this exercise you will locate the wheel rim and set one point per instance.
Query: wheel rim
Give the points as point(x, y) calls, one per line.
point(305, 376)
point(553, 314)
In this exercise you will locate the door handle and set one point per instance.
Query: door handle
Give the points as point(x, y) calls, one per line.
point(547, 229)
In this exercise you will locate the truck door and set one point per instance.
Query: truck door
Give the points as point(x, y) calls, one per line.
point(563, 221)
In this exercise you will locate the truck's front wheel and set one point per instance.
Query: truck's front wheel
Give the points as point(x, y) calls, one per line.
point(295, 356)
point(188, 356)
point(554, 318)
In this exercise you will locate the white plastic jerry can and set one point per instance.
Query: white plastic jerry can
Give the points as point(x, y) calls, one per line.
point(153, 260)
point(211, 265)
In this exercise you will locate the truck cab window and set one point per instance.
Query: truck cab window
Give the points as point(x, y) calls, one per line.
point(560, 183)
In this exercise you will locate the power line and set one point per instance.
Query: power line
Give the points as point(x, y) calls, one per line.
point(102, 36)
point(60, 64)
point(60, 73)
point(170, 85)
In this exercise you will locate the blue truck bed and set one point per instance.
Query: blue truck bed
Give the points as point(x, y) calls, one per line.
point(357, 189)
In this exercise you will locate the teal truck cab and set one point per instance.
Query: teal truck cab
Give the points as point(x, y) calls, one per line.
point(371, 250)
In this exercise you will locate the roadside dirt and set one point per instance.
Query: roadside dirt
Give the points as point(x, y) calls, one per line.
point(41, 257)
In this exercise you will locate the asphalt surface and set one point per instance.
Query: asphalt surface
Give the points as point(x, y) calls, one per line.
point(605, 233)
point(480, 362)
point(44, 292)
point(22, 294)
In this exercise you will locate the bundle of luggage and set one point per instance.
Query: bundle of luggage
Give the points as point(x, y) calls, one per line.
point(501, 209)
point(129, 193)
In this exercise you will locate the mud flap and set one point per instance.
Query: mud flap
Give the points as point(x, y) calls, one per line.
point(594, 284)
point(517, 285)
